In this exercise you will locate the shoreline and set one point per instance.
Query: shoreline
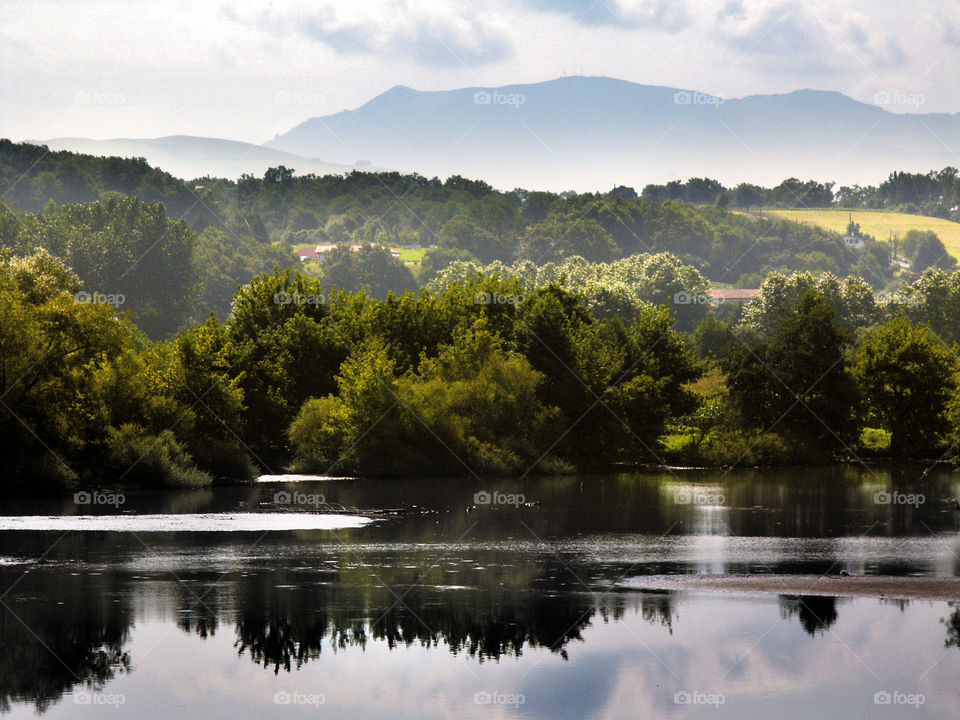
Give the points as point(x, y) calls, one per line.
point(880, 586)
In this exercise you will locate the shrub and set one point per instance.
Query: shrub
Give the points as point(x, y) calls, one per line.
point(151, 460)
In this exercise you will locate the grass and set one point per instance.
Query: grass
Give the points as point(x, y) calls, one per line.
point(878, 223)
point(411, 257)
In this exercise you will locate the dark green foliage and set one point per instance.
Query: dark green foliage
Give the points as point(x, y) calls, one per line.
point(926, 250)
point(712, 337)
point(125, 249)
point(371, 268)
point(907, 378)
point(31, 176)
point(796, 383)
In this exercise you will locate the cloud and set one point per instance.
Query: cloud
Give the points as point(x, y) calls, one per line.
point(784, 29)
point(665, 15)
point(787, 37)
point(429, 41)
point(430, 34)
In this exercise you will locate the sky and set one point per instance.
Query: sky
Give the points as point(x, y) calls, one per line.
point(251, 70)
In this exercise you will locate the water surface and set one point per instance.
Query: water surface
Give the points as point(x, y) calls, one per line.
point(237, 602)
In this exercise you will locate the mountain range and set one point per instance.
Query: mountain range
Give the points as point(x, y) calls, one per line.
point(591, 133)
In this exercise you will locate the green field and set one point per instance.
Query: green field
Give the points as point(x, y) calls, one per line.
point(411, 257)
point(877, 223)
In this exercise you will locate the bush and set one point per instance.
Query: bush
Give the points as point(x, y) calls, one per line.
point(875, 441)
point(151, 460)
point(318, 434)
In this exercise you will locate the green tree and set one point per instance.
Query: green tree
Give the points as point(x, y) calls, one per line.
point(926, 250)
point(797, 382)
point(371, 268)
point(906, 376)
point(283, 351)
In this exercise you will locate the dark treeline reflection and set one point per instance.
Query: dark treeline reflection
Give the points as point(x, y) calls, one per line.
point(282, 626)
point(953, 628)
point(54, 640)
point(815, 612)
point(468, 622)
point(62, 631)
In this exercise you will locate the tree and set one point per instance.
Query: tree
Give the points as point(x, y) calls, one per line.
point(282, 351)
point(85, 395)
point(555, 239)
point(934, 300)
point(926, 250)
point(906, 376)
point(852, 300)
point(462, 232)
point(371, 268)
point(437, 259)
point(797, 382)
point(124, 248)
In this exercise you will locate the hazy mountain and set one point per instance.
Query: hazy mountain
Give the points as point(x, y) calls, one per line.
point(594, 132)
point(190, 157)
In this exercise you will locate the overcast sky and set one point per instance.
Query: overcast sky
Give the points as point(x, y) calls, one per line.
point(250, 70)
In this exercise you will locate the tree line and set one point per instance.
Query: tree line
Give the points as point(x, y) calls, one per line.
point(935, 193)
point(487, 375)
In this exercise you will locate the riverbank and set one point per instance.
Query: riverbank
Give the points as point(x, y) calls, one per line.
point(900, 587)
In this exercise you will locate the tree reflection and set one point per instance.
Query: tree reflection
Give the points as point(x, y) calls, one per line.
point(69, 634)
point(953, 628)
point(283, 632)
point(815, 612)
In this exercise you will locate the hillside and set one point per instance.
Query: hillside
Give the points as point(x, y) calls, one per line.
point(879, 224)
point(591, 133)
point(190, 157)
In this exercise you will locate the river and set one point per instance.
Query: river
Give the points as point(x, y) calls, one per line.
point(482, 599)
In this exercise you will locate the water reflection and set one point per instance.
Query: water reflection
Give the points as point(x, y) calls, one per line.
point(55, 639)
point(816, 613)
point(64, 630)
point(533, 591)
point(953, 629)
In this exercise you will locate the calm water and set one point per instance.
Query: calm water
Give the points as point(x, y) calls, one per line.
point(238, 602)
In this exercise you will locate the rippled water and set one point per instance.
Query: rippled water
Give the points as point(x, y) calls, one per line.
point(239, 602)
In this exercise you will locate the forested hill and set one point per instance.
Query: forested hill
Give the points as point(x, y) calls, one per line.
point(232, 230)
point(32, 175)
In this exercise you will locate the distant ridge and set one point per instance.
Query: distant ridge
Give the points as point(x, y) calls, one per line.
point(593, 132)
point(189, 157)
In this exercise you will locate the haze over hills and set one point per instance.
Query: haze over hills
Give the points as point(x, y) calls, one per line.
point(587, 133)
point(191, 157)
point(579, 133)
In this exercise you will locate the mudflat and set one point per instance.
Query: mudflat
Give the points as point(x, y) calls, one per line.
point(913, 587)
